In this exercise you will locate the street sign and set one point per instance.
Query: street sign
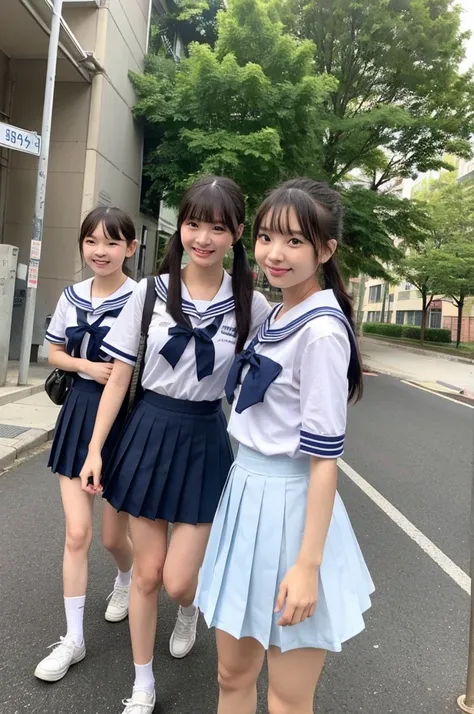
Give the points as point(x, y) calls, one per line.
point(19, 139)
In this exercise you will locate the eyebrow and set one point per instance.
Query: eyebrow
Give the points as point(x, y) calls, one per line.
point(292, 233)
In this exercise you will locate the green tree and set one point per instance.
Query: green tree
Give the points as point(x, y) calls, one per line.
point(401, 102)
point(422, 270)
point(253, 108)
point(455, 274)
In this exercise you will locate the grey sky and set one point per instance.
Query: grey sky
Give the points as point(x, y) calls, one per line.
point(468, 24)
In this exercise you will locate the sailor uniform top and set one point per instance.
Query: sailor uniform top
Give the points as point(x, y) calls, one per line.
point(181, 361)
point(81, 322)
point(289, 388)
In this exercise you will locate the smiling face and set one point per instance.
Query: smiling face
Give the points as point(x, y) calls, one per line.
point(206, 243)
point(104, 254)
point(284, 254)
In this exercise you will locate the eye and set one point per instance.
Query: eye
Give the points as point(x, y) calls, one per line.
point(220, 229)
point(192, 224)
point(264, 238)
point(295, 241)
point(90, 241)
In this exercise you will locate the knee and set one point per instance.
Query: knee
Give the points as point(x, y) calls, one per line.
point(235, 680)
point(279, 704)
point(113, 541)
point(179, 588)
point(147, 579)
point(78, 538)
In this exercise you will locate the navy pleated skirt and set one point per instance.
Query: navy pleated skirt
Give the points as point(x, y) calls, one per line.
point(75, 426)
point(172, 461)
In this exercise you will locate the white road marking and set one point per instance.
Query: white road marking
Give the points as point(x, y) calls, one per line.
point(437, 394)
point(455, 573)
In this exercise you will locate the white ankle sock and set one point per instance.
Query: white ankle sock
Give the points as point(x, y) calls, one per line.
point(188, 611)
point(123, 580)
point(144, 678)
point(74, 607)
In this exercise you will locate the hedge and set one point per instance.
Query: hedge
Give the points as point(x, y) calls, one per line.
point(411, 332)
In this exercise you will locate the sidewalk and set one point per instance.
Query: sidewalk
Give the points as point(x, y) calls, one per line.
point(426, 369)
point(27, 416)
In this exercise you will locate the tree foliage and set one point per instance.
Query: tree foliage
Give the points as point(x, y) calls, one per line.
point(321, 88)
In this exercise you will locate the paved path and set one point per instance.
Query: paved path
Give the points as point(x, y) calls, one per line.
point(412, 446)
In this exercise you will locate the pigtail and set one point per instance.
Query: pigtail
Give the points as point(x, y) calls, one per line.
point(171, 264)
point(242, 288)
point(333, 280)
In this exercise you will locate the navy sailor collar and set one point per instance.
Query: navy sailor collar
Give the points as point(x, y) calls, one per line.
point(320, 304)
point(222, 303)
point(79, 295)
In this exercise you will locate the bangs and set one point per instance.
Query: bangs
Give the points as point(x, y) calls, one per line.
point(274, 214)
point(110, 220)
point(210, 204)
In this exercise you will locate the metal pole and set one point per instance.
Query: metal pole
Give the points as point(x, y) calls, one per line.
point(466, 701)
point(37, 234)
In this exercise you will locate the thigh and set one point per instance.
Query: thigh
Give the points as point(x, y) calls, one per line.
point(186, 552)
point(240, 661)
point(149, 540)
point(293, 677)
point(77, 505)
point(114, 524)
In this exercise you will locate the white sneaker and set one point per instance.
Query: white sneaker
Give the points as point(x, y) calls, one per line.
point(184, 634)
point(140, 703)
point(55, 665)
point(117, 608)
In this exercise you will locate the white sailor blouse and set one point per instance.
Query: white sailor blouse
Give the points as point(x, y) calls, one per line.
point(289, 388)
point(181, 361)
point(81, 322)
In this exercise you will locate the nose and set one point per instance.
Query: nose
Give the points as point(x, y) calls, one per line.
point(203, 239)
point(275, 254)
point(100, 250)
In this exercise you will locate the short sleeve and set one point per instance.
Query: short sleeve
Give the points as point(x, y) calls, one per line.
point(124, 336)
point(260, 310)
point(56, 332)
point(324, 395)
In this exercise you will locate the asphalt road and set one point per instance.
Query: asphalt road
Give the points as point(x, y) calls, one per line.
point(413, 447)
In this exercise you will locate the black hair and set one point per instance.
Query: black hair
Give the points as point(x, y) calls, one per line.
point(117, 225)
point(212, 199)
point(320, 216)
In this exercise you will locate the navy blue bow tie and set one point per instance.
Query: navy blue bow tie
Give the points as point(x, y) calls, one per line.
point(96, 332)
point(262, 372)
point(204, 346)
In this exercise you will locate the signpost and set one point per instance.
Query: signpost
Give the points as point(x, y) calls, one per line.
point(11, 137)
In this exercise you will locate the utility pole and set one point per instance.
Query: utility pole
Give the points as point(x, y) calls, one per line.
point(37, 234)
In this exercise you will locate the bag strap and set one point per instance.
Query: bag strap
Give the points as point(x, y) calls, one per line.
point(147, 314)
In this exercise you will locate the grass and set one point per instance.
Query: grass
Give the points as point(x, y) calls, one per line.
point(464, 349)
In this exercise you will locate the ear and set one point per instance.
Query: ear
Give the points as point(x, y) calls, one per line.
point(131, 248)
point(240, 230)
point(328, 251)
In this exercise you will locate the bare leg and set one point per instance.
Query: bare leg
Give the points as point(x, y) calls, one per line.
point(183, 561)
point(78, 514)
point(293, 677)
point(240, 662)
point(115, 537)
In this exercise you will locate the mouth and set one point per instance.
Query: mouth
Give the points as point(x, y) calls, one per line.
point(277, 272)
point(101, 263)
point(202, 253)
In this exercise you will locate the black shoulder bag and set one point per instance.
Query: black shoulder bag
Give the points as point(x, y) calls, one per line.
point(58, 384)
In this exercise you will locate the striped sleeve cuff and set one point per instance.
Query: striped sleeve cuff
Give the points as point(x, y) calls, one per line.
point(118, 354)
point(326, 447)
point(54, 339)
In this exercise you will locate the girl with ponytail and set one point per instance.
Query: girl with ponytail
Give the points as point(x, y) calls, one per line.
point(283, 573)
point(174, 454)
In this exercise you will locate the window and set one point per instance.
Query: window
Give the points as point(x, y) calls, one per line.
point(375, 293)
point(373, 316)
point(408, 286)
point(409, 317)
point(400, 317)
point(391, 297)
point(434, 318)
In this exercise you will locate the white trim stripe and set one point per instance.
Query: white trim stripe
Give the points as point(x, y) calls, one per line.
point(318, 445)
point(55, 340)
point(118, 354)
point(268, 334)
point(189, 308)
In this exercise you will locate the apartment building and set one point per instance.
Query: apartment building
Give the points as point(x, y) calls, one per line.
point(96, 146)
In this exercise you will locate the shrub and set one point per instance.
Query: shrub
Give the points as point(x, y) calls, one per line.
point(382, 328)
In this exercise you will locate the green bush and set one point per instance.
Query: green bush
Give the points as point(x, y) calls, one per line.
point(432, 334)
point(382, 328)
point(410, 332)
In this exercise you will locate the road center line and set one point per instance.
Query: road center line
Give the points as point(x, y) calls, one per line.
point(445, 563)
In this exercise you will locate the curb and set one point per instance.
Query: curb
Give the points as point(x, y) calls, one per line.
point(21, 393)
point(25, 442)
point(417, 351)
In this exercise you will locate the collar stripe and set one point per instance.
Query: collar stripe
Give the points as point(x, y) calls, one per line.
point(189, 308)
point(268, 334)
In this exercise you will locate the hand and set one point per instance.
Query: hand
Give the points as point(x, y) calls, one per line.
point(298, 594)
point(99, 371)
point(92, 470)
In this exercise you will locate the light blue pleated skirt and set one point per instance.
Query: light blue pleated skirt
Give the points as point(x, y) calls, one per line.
point(255, 539)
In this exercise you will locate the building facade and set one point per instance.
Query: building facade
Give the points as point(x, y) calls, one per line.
point(96, 146)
